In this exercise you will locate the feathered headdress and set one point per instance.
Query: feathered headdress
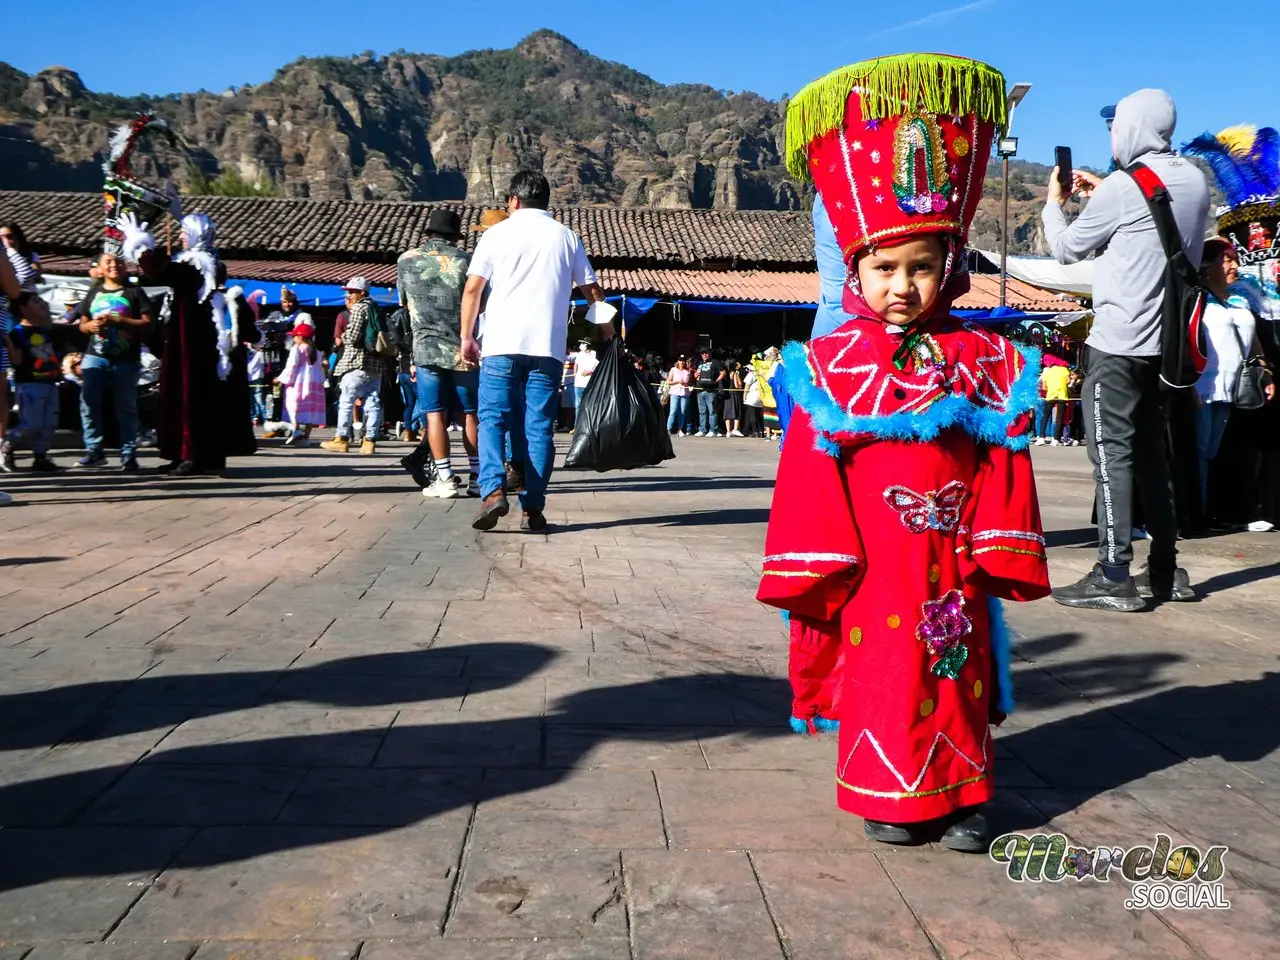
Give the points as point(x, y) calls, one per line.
point(125, 137)
point(123, 194)
point(1245, 162)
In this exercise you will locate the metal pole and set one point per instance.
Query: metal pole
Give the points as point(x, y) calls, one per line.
point(1004, 229)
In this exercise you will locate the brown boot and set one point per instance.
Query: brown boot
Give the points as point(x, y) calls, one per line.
point(336, 445)
point(367, 446)
point(494, 508)
point(406, 436)
point(515, 478)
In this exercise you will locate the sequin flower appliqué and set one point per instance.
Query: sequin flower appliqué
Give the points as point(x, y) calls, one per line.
point(935, 510)
point(942, 630)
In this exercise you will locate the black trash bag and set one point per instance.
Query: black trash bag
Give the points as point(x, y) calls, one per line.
point(620, 424)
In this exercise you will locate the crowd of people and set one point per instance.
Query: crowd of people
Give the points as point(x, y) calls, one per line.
point(473, 333)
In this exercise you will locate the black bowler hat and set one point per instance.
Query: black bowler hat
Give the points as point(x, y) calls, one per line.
point(444, 222)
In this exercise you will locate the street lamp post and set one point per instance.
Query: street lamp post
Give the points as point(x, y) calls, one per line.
point(1008, 147)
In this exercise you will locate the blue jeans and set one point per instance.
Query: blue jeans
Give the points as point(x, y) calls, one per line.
point(409, 397)
point(356, 385)
point(96, 374)
point(258, 393)
point(1042, 416)
point(38, 406)
point(577, 396)
point(679, 413)
point(520, 395)
point(1211, 424)
point(708, 421)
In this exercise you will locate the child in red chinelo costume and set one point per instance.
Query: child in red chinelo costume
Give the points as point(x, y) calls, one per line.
point(905, 500)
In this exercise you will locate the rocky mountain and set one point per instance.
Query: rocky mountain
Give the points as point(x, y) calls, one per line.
point(426, 127)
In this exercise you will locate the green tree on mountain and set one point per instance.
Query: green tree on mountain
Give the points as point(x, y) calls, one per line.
point(229, 183)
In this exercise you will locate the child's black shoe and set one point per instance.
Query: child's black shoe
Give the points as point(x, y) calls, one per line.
point(969, 833)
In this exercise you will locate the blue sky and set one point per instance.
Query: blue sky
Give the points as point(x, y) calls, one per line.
point(1079, 56)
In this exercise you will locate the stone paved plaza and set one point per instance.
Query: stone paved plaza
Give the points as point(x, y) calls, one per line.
point(300, 712)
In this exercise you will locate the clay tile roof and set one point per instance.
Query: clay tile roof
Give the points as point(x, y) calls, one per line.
point(984, 294)
point(762, 257)
point(380, 231)
point(753, 286)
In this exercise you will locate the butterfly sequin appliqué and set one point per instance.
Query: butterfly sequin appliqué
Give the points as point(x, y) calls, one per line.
point(935, 510)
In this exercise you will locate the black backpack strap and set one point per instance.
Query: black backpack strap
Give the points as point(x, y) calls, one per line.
point(1161, 206)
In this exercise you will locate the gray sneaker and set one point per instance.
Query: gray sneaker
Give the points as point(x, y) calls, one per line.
point(1095, 591)
point(1161, 586)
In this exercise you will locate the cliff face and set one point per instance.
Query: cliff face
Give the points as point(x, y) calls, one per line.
point(424, 127)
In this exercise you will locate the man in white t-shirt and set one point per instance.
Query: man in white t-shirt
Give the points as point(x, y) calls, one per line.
point(531, 263)
point(584, 364)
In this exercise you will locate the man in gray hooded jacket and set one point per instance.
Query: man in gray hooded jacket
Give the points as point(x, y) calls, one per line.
point(1123, 410)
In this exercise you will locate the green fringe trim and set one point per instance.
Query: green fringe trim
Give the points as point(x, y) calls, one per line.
point(933, 82)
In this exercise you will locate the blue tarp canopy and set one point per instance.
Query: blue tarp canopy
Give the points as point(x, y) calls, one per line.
point(631, 308)
point(994, 315)
point(317, 294)
point(732, 307)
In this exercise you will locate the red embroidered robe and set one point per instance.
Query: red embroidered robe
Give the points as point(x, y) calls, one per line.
point(904, 501)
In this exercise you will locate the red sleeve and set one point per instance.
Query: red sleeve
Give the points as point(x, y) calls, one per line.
point(1002, 550)
point(813, 555)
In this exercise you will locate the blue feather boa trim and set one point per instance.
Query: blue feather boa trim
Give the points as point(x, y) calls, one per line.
point(985, 424)
point(1002, 651)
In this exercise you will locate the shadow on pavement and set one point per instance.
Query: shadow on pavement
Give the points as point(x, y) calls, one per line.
point(307, 789)
point(1237, 578)
point(311, 789)
point(371, 680)
point(1082, 537)
point(695, 518)
point(1088, 754)
point(574, 481)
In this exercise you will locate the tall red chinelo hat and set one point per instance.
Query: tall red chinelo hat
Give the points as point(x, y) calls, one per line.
point(897, 146)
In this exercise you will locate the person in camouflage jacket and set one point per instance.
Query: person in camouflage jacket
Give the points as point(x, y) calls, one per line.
point(431, 279)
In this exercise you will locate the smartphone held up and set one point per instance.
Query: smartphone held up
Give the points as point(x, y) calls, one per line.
point(1062, 160)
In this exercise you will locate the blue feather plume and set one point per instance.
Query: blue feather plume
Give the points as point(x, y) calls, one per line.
point(1226, 168)
point(1266, 152)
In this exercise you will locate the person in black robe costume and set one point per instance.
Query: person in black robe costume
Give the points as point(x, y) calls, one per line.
point(237, 422)
point(204, 411)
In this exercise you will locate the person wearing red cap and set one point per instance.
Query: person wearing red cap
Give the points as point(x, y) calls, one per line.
point(905, 501)
point(303, 382)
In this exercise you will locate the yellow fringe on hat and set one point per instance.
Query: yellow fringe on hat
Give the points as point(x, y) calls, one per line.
point(1238, 139)
point(891, 87)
